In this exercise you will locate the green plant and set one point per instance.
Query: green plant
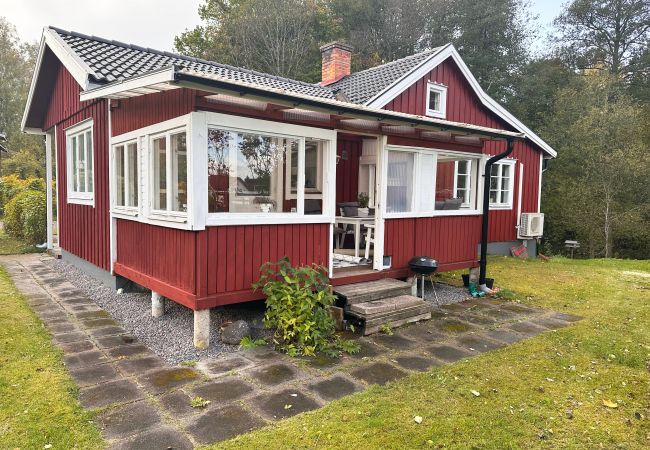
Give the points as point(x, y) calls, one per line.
point(189, 363)
point(248, 343)
point(386, 329)
point(199, 402)
point(26, 216)
point(297, 308)
point(363, 200)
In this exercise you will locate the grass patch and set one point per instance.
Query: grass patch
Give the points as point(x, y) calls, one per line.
point(38, 404)
point(550, 391)
point(12, 246)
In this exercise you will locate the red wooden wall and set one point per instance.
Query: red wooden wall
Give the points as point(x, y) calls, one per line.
point(452, 240)
point(83, 230)
point(464, 106)
point(347, 170)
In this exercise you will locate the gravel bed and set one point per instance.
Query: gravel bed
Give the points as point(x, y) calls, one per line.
point(447, 294)
point(170, 336)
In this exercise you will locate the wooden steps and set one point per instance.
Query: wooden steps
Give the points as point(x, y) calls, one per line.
point(380, 302)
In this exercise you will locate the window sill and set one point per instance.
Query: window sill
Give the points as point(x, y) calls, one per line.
point(217, 219)
point(436, 114)
point(441, 213)
point(81, 200)
point(131, 212)
point(500, 207)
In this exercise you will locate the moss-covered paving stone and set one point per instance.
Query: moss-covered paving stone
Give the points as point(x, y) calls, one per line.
point(221, 366)
point(422, 333)
point(549, 323)
point(223, 390)
point(120, 391)
point(285, 403)
point(107, 331)
point(394, 341)
point(88, 376)
point(140, 365)
point(378, 373)
point(565, 317)
point(76, 347)
point(84, 359)
point(418, 363)
point(479, 319)
point(128, 419)
point(157, 438)
point(333, 388)
point(274, 374)
point(167, 379)
point(70, 337)
point(178, 404)
point(115, 341)
point(448, 353)
point(221, 424)
point(454, 326)
point(367, 349)
point(478, 342)
point(128, 350)
point(504, 335)
point(526, 328)
point(98, 323)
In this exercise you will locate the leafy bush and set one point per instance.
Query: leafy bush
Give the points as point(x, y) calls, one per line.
point(12, 185)
point(26, 215)
point(297, 307)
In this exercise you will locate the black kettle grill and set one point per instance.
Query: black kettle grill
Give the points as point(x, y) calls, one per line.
point(424, 266)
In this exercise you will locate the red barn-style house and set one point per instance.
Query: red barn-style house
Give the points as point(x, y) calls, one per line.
point(185, 175)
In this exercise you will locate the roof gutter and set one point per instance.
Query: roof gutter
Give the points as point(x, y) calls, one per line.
point(278, 96)
point(486, 210)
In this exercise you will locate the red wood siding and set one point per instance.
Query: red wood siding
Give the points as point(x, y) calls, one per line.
point(451, 240)
point(464, 106)
point(347, 170)
point(83, 230)
point(139, 112)
point(215, 266)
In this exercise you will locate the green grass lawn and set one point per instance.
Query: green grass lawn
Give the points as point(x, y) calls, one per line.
point(545, 392)
point(38, 405)
point(12, 246)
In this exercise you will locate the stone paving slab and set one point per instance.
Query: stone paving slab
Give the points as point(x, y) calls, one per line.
point(144, 403)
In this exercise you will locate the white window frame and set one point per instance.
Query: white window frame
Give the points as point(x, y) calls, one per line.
point(123, 209)
point(284, 130)
point(419, 151)
point(310, 193)
point(441, 90)
point(168, 213)
point(470, 179)
point(73, 195)
point(511, 184)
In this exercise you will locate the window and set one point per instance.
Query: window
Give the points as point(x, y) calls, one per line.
point(79, 158)
point(250, 172)
point(501, 184)
point(126, 175)
point(463, 182)
point(169, 154)
point(399, 180)
point(456, 182)
point(436, 100)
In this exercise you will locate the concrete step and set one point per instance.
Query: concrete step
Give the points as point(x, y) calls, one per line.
point(395, 323)
point(372, 290)
point(394, 311)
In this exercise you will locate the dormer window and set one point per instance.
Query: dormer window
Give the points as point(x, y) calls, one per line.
point(436, 100)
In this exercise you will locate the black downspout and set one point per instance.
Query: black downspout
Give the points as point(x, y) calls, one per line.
point(486, 209)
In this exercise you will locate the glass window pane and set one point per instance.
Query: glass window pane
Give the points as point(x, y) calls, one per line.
point(81, 156)
point(399, 193)
point(74, 165)
point(119, 175)
point(314, 173)
point(160, 173)
point(132, 175)
point(434, 100)
point(504, 197)
point(218, 170)
point(493, 196)
point(89, 160)
point(179, 172)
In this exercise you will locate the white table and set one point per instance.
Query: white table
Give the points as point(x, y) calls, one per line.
point(356, 222)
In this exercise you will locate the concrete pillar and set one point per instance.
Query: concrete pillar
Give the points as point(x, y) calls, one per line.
point(157, 304)
point(202, 329)
point(414, 285)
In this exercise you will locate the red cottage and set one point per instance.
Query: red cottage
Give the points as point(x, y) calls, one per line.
point(185, 175)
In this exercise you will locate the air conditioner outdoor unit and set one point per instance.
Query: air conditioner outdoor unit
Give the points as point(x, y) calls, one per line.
point(532, 225)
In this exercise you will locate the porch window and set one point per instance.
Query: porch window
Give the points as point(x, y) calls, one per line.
point(250, 172)
point(80, 165)
point(169, 151)
point(436, 105)
point(456, 183)
point(126, 175)
point(501, 184)
point(399, 190)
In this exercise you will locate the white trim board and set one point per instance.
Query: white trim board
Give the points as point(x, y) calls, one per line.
point(384, 97)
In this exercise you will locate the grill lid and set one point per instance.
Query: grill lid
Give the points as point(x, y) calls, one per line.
point(423, 264)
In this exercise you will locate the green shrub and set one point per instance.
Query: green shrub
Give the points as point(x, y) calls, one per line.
point(26, 215)
point(12, 185)
point(297, 308)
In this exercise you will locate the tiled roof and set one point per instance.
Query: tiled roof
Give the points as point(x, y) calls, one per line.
point(112, 61)
point(360, 87)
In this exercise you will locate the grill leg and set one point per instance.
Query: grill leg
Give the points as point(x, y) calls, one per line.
point(435, 293)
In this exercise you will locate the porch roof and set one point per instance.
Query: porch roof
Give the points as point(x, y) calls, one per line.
point(247, 93)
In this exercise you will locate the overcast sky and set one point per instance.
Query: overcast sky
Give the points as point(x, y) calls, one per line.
point(149, 23)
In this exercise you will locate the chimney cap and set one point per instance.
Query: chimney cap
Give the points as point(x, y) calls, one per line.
point(336, 44)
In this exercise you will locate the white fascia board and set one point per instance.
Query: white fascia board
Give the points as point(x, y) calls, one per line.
point(380, 100)
point(164, 75)
point(79, 70)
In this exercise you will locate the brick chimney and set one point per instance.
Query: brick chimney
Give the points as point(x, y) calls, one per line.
point(336, 58)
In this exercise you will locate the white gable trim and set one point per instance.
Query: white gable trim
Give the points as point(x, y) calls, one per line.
point(79, 70)
point(381, 99)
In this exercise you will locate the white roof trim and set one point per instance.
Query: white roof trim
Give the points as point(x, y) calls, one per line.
point(75, 65)
point(112, 90)
point(381, 99)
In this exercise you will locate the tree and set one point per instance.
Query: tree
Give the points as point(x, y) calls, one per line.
point(279, 37)
point(596, 191)
point(16, 63)
point(493, 38)
point(604, 34)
